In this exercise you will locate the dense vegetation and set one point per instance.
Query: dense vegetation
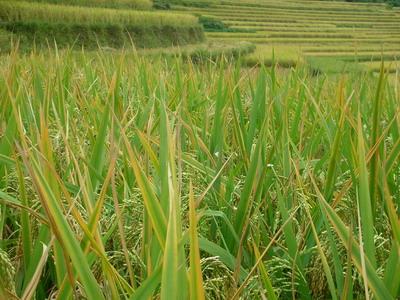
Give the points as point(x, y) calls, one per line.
point(45, 24)
point(120, 4)
point(261, 163)
point(124, 177)
point(390, 2)
point(329, 35)
point(202, 53)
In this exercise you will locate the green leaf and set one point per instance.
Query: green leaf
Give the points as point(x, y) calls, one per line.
point(196, 279)
point(374, 282)
point(367, 221)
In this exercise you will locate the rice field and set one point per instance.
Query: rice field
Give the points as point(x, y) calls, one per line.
point(311, 26)
point(262, 163)
point(391, 65)
point(125, 177)
point(201, 52)
point(20, 11)
point(118, 4)
point(40, 25)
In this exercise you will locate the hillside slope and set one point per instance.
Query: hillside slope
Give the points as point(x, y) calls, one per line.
point(300, 30)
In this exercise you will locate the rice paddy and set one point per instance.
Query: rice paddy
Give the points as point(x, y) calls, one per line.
point(124, 177)
point(306, 25)
point(139, 160)
point(30, 11)
point(44, 24)
point(119, 4)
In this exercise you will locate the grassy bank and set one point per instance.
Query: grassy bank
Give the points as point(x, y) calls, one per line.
point(122, 177)
point(42, 24)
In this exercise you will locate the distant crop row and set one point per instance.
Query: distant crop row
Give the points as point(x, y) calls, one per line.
point(323, 10)
point(353, 31)
point(353, 48)
point(390, 66)
point(364, 57)
point(306, 4)
point(314, 26)
point(296, 15)
point(299, 7)
point(291, 56)
point(316, 20)
point(202, 52)
point(352, 23)
point(24, 11)
point(122, 4)
point(279, 25)
point(306, 35)
point(311, 41)
point(268, 55)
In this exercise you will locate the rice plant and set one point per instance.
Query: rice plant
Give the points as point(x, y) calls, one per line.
point(285, 25)
point(20, 11)
point(119, 4)
point(40, 25)
point(128, 177)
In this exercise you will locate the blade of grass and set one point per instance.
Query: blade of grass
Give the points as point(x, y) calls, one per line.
point(31, 287)
point(151, 202)
point(264, 275)
point(376, 119)
point(146, 290)
point(374, 282)
point(63, 231)
point(367, 220)
point(196, 279)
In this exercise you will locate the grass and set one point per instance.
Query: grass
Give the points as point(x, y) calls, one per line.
point(280, 10)
point(270, 54)
point(43, 35)
point(30, 11)
point(5, 40)
point(321, 25)
point(218, 170)
point(390, 66)
point(308, 41)
point(353, 48)
point(43, 24)
point(193, 3)
point(333, 65)
point(296, 16)
point(202, 52)
point(119, 4)
point(128, 177)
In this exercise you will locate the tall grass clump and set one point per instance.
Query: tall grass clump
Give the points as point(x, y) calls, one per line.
point(125, 177)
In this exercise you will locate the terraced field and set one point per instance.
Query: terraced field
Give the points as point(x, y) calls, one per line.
point(298, 30)
point(90, 24)
point(140, 160)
